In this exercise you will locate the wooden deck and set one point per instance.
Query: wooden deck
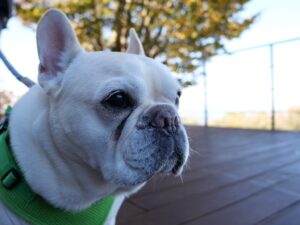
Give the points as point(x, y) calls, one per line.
point(235, 177)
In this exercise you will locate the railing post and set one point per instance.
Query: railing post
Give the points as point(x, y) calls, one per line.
point(272, 88)
point(205, 93)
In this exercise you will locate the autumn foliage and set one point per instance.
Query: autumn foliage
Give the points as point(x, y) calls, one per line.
point(180, 33)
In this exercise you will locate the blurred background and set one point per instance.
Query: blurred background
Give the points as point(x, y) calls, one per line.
point(237, 59)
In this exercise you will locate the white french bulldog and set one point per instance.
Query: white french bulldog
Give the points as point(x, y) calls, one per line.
point(98, 123)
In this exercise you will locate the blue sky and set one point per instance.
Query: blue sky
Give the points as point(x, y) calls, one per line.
point(235, 83)
point(242, 82)
point(279, 20)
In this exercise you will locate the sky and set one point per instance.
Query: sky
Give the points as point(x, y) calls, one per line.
point(242, 82)
point(239, 82)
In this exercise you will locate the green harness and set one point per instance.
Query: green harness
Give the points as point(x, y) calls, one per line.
point(16, 194)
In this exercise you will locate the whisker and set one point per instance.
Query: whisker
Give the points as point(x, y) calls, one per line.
point(181, 178)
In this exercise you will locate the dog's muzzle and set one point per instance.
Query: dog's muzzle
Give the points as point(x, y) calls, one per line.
point(162, 123)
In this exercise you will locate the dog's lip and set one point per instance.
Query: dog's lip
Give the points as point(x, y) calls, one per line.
point(179, 164)
point(172, 165)
point(167, 168)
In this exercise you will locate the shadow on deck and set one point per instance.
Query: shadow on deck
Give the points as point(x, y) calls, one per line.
point(236, 177)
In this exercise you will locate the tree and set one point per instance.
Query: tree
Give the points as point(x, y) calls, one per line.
point(180, 33)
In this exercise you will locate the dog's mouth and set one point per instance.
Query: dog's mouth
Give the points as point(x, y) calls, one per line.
point(179, 164)
point(173, 165)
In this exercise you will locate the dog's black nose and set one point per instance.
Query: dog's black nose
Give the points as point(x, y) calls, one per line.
point(166, 118)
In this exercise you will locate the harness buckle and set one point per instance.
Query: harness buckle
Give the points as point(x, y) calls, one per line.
point(10, 179)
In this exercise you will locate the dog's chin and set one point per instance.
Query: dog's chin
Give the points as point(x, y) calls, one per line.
point(131, 180)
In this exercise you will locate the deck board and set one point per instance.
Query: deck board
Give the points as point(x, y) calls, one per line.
point(235, 176)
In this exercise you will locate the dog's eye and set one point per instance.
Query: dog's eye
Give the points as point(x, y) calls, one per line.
point(118, 99)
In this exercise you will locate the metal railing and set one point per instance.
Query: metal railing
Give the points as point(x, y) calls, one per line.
point(271, 47)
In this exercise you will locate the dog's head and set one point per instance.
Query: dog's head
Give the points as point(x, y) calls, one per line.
point(113, 112)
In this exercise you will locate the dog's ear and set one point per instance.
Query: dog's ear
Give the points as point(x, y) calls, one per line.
point(135, 45)
point(57, 47)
